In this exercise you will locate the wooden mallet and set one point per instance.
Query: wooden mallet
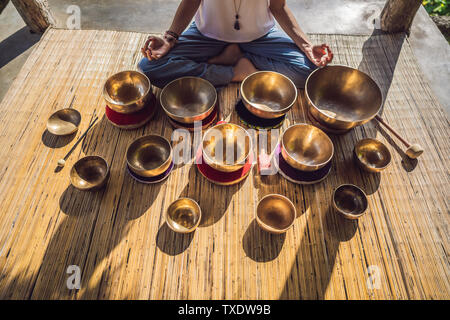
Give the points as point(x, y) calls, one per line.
point(413, 151)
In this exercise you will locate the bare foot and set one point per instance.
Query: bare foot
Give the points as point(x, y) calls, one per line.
point(242, 69)
point(228, 57)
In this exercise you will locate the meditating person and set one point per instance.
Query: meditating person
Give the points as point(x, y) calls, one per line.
point(229, 40)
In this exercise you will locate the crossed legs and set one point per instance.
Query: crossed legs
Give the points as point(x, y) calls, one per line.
point(233, 56)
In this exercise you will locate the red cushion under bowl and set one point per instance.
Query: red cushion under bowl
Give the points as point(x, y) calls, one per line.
point(122, 119)
point(219, 176)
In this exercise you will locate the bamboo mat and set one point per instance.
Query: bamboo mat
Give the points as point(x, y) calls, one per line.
point(118, 237)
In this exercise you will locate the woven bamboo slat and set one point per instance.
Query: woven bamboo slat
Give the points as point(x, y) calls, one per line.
point(118, 237)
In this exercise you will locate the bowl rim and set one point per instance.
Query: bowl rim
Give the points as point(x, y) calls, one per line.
point(242, 91)
point(58, 111)
point(199, 215)
point(108, 98)
point(82, 159)
point(348, 67)
point(348, 215)
point(275, 230)
point(172, 115)
point(250, 147)
point(169, 158)
point(310, 125)
point(359, 142)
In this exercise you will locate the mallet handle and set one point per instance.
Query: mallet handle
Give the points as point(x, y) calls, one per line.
point(380, 120)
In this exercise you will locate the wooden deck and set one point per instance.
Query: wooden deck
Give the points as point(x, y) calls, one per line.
point(118, 236)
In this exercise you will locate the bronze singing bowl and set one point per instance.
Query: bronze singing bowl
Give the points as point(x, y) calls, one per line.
point(306, 147)
point(188, 99)
point(341, 97)
point(149, 156)
point(127, 91)
point(372, 155)
point(64, 122)
point(275, 213)
point(89, 173)
point(350, 201)
point(226, 147)
point(183, 215)
point(268, 94)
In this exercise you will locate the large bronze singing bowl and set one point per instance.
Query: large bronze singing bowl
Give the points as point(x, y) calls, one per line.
point(188, 99)
point(306, 147)
point(127, 91)
point(226, 147)
point(149, 156)
point(89, 173)
point(275, 213)
point(341, 97)
point(268, 94)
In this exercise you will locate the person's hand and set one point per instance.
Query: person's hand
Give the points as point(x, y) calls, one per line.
point(156, 47)
point(319, 55)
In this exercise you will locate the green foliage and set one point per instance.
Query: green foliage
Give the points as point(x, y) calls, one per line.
point(437, 7)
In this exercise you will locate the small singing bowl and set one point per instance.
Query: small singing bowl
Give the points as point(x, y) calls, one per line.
point(89, 173)
point(306, 147)
point(64, 122)
point(183, 215)
point(127, 91)
point(226, 147)
point(275, 213)
point(372, 155)
point(350, 201)
point(188, 99)
point(149, 156)
point(268, 94)
point(341, 98)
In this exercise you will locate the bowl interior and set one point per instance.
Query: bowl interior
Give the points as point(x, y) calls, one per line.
point(126, 87)
point(350, 200)
point(64, 121)
point(227, 144)
point(269, 91)
point(148, 153)
point(89, 172)
point(276, 212)
point(344, 93)
point(188, 97)
point(183, 215)
point(307, 144)
point(373, 153)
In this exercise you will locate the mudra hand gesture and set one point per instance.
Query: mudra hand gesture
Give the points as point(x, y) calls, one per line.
point(156, 47)
point(320, 55)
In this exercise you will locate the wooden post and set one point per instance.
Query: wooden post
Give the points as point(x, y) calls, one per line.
point(398, 15)
point(35, 13)
point(3, 4)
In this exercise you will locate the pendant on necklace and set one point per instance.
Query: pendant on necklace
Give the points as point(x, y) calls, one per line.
point(236, 24)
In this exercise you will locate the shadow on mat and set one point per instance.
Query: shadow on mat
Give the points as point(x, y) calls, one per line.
point(53, 141)
point(262, 246)
point(16, 44)
point(311, 272)
point(213, 199)
point(171, 242)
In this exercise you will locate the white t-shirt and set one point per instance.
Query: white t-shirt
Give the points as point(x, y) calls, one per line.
point(216, 18)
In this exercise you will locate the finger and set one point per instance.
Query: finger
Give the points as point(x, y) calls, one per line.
point(330, 57)
point(150, 54)
point(147, 43)
point(155, 55)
